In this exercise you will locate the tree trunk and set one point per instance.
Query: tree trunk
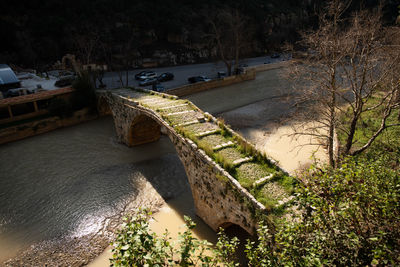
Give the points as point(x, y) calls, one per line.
point(331, 134)
point(332, 117)
point(350, 137)
point(228, 68)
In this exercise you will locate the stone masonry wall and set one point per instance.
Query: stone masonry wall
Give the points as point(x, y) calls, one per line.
point(204, 86)
point(219, 199)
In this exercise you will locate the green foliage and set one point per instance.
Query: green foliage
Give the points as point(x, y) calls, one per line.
point(226, 163)
point(136, 245)
point(350, 217)
point(388, 143)
point(260, 253)
point(225, 251)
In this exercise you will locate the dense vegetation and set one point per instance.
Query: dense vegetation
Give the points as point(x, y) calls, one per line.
point(37, 33)
point(347, 217)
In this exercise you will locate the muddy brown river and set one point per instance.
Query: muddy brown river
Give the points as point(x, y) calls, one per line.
point(67, 183)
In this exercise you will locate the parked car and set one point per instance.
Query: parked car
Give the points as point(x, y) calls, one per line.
point(146, 74)
point(221, 74)
point(275, 55)
point(158, 88)
point(65, 80)
point(167, 76)
point(196, 79)
point(149, 81)
point(241, 68)
point(19, 91)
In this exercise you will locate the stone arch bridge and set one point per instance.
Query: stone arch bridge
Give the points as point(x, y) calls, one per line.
point(231, 182)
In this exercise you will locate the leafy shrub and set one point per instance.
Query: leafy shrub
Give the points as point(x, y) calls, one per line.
point(351, 217)
point(136, 245)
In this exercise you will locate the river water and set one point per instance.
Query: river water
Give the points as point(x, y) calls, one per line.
point(68, 182)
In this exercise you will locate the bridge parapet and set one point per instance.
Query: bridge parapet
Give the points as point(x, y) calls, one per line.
point(231, 182)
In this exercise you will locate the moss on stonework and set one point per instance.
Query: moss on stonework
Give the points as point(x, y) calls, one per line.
point(230, 154)
point(215, 139)
point(248, 173)
point(174, 109)
point(272, 193)
point(201, 127)
point(181, 119)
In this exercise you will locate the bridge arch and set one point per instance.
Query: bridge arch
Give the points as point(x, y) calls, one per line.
point(143, 130)
point(219, 199)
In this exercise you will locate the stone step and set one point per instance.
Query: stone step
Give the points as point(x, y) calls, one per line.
point(224, 145)
point(285, 200)
point(187, 123)
point(176, 106)
point(156, 101)
point(264, 179)
point(242, 160)
point(207, 133)
point(180, 112)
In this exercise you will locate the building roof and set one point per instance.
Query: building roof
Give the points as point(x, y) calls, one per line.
point(7, 75)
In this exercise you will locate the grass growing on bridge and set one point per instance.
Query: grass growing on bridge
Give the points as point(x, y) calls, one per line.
point(262, 178)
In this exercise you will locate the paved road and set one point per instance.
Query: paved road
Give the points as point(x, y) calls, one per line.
point(267, 85)
point(182, 73)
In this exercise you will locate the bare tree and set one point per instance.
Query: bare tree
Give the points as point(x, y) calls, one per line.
point(230, 33)
point(349, 65)
point(86, 44)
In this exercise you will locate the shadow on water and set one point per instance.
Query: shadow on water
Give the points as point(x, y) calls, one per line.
point(67, 181)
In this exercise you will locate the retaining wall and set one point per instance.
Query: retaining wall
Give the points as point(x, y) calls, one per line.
point(204, 86)
point(21, 131)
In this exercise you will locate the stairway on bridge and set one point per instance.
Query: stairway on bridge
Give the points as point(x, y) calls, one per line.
point(260, 176)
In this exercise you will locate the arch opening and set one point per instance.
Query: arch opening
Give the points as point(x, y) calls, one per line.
point(234, 230)
point(143, 130)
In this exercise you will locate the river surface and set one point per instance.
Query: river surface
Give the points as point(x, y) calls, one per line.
point(68, 182)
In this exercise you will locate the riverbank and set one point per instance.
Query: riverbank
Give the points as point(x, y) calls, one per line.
point(37, 126)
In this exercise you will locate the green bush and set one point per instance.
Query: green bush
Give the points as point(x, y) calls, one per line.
point(348, 216)
point(136, 245)
point(351, 217)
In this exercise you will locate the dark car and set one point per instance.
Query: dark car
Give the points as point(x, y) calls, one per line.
point(241, 68)
point(196, 79)
point(221, 74)
point(65, 80)
point(146, 74)
point(18, 92)
point(167, 76)
point(149, 81)
point(158, 88)
point(275, 55)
